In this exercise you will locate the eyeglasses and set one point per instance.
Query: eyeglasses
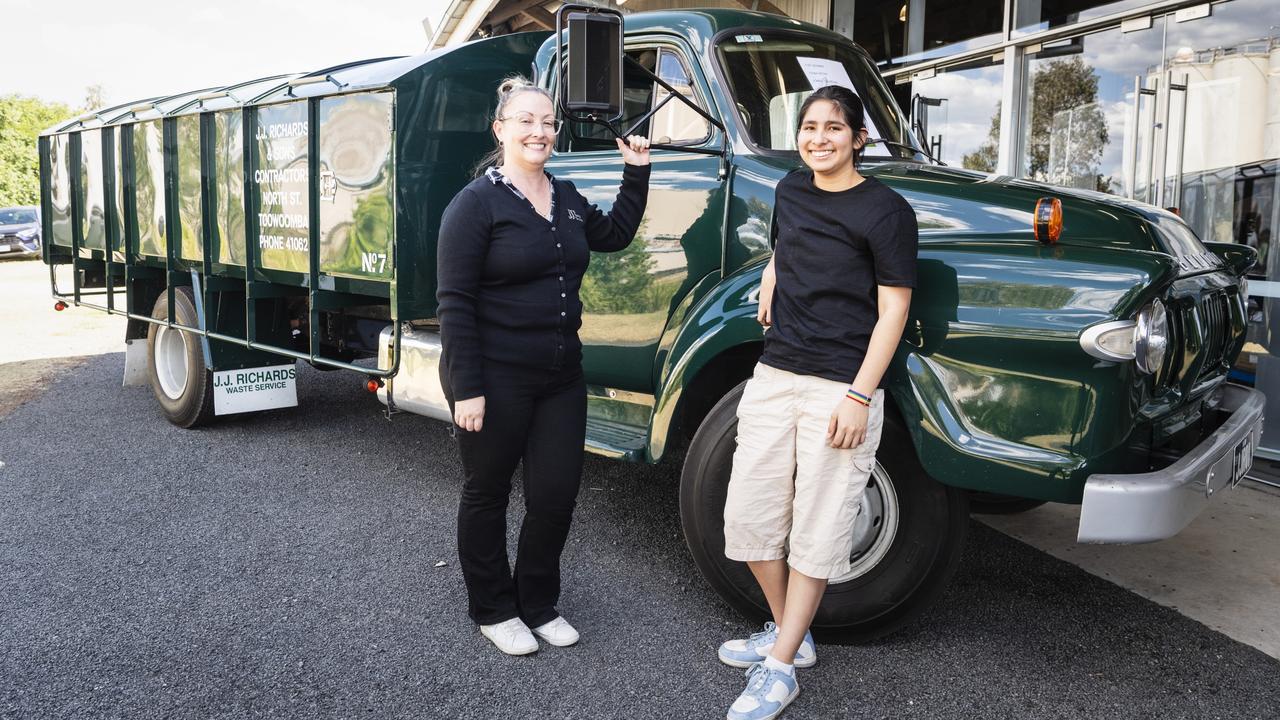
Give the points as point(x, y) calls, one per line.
point(527, 123)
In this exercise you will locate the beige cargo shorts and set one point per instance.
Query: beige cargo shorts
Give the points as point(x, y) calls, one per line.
point(788, 486)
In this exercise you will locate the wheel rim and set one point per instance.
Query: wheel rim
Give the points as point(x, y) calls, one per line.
point(875, 527)
point(171, 362)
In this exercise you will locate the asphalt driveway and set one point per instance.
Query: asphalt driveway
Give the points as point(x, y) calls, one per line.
point(284, 565)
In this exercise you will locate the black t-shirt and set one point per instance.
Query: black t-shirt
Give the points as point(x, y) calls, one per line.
point(833, 249)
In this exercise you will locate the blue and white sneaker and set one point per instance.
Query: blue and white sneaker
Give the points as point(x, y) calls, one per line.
point(746, 652)
point(767, 694)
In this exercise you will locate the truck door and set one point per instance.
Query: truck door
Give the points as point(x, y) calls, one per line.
point(628, 296)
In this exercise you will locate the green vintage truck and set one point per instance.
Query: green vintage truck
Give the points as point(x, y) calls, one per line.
point(1063, 346)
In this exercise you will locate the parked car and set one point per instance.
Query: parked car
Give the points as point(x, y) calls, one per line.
point(1062, 346)
point(19, 231)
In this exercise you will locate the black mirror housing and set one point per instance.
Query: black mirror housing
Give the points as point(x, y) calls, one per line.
point(594, 74)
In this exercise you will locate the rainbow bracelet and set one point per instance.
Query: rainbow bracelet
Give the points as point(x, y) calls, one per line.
point(858, 397)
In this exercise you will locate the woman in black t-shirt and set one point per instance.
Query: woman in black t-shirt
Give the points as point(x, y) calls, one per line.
point(834, 300)
point(513, 247)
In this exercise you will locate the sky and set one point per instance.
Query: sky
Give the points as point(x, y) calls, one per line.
point(134, 49)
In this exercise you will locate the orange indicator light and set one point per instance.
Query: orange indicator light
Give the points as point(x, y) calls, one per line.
point(59, 306)
point(1048, 220)
point(373, 384)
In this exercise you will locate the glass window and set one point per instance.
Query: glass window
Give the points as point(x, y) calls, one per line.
point(18, 216)
point(905, 31)
point(1034, 15)
point(956, 113)
point(880, 27)
point(1223, 134)
point(676, 122)
point(1085, 126)
point(770, 77)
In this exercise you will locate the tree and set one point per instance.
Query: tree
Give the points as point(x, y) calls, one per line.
point(621, 282)
point(1068, 129)
point(94, 98)
point(21, 120)
point(1068, 132)
point(984, 159)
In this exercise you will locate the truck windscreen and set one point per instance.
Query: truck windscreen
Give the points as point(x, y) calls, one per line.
point(770, 77)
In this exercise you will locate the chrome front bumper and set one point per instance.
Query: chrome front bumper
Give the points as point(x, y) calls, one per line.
point(1153, 506)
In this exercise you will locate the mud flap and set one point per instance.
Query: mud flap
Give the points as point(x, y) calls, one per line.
point(135, 362)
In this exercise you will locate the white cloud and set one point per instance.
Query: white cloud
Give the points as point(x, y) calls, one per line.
point(964, 120)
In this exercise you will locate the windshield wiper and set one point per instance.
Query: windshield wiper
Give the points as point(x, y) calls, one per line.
point(912, 148)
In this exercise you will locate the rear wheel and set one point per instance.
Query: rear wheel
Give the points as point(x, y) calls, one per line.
point(180, 380)
point(908, 535)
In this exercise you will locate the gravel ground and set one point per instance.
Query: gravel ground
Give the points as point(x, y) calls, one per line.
point(36, 340)
point(283, 565)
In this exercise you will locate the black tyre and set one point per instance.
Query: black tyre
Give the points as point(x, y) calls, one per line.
point(983, 503)
point(910, 533)
point(180, 380)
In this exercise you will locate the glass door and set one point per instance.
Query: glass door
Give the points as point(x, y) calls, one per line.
point(1220, 157)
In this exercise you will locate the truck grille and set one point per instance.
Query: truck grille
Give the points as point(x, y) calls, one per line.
point(1215, 324)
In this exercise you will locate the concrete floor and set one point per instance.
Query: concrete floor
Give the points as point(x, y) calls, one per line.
point(1222, 570)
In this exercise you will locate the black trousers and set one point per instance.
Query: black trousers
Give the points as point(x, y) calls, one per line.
point(536, 417)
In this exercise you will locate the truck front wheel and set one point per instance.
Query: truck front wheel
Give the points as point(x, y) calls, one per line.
point(908, 535)
point(180, 380)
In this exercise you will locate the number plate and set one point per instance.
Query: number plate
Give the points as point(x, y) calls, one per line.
point(4, 248)
point(1243, 459)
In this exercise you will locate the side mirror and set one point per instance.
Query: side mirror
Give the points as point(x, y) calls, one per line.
point(593, 74)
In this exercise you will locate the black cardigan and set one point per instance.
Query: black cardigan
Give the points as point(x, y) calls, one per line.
point(507, 279)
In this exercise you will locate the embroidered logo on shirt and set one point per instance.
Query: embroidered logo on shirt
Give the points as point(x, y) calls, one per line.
point(573, 215)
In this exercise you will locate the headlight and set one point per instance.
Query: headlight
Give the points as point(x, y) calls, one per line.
point(1151, 337)
point(1244, 289)
point(1144, 340)
point(28, 233)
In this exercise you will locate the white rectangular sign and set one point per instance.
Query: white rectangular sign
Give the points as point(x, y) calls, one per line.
point(250, 389)
point(822, 72)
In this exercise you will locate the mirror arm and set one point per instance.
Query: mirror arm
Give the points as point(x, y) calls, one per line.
point(645, 117)
point(673, 92)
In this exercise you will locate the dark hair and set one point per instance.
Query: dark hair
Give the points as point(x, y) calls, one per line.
point(849, 105)
point(507, 90)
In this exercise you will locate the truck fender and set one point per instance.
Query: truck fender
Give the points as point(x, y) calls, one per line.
point(720, 320)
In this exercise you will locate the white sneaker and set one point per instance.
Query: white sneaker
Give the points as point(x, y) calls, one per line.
point(512, 637)
point(558, 632)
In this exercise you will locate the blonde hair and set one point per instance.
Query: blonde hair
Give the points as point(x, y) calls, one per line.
point(508, 89)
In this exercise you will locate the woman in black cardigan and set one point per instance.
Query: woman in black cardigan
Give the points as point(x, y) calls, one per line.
point(513, 247)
